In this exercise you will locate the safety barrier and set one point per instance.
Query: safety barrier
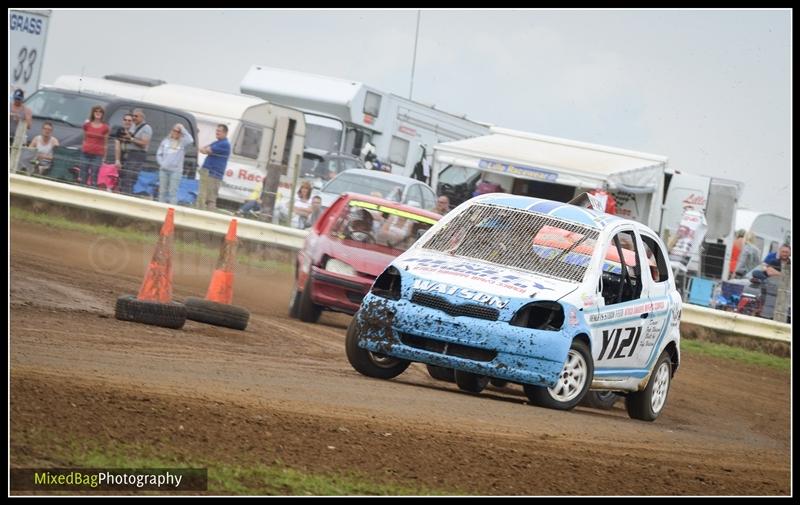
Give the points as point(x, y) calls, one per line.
point(290, 238)
point(736, 324)
point(186, 217)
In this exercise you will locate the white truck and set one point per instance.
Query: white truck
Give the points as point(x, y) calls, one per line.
point(401, 130)
point(644, 188)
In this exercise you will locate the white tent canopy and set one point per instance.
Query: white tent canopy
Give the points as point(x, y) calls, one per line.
point(529, 156)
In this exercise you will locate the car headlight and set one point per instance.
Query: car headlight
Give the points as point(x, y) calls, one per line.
point(548, 316)
point(339, 267)
point(387, 285)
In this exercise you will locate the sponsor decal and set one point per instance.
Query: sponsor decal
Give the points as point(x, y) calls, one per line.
point(628, 311)
point(467, 294)
point(536, 173)
point(479, 273)
point(573, 317)
point(408, 131)
point(588, 299)
point(619, 347)
point(651, 331)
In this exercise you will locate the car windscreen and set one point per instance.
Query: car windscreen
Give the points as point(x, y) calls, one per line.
point(519, 239)
point(380, 227)
point(64, 107)
point(356, 183)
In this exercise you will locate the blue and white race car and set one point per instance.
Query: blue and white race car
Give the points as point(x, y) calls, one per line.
point(552, 296)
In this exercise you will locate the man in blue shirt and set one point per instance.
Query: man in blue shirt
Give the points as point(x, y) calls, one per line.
point(213, 169)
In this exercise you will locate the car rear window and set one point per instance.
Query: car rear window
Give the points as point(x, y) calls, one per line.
point(356, 183)
point(519, 239)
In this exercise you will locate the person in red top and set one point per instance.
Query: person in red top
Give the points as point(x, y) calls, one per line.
point(93, 152)
point(738, 244)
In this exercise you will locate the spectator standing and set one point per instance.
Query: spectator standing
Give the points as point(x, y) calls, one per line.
point(316, 210)
point(93, 151)
point(44, 144)
point(738, 245)
point(122, 141)
point(138, 142)
point(442, 205)
point(302, 206)
point(748, 256)
point(170, 158)
point(213, 168)
point(19, 112)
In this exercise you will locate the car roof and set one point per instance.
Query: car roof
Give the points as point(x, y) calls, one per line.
point(113, 99)
point(390, 203)
point(561, 210)
point(400, 179)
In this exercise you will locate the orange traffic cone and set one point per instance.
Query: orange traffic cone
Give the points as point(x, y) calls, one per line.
point(220, 289)
point(216, 308)
point(157, 284)
point(154, 303)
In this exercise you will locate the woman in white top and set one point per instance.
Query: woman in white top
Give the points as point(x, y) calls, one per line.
point(170, 156)
point(44, 145)
point(302, 206)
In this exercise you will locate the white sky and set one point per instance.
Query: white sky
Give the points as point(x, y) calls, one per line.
point(710, 89)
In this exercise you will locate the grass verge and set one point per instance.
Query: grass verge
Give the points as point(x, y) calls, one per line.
point(140, 237)
point(735, 353)
point(248, 478)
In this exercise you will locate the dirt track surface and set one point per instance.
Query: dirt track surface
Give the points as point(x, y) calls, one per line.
point(284, 391)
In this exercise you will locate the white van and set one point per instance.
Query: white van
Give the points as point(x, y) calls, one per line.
point(770, 230)
point(262, 135)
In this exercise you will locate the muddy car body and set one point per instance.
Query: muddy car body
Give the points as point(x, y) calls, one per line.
point(558, 298)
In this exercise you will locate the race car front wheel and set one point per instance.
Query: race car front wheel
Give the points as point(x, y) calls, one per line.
point(647, 404)
point(573, 381)
point(441, 373)
point(369, 363)
point(308, 311)
point(470, 382)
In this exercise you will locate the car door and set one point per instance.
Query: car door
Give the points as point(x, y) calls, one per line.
point(657, 286)
point(623, 306)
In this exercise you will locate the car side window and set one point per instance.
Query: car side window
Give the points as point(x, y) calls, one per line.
point(621, 276)
point(428, 198)
point(414, 196)
point(656, 262)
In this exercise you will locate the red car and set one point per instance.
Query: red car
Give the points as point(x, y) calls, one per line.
point(351, 243)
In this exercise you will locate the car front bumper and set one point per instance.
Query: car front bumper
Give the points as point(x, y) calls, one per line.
point(493, 348)
point(343, 293)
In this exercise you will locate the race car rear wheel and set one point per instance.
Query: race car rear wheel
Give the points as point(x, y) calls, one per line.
point(573, 381)
point(604, 400)
point(370, 363)
point(647, 404)
point(441, 373)
point(470, 382)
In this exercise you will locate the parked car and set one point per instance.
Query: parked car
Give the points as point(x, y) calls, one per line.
point(347, 247)
point(549, 295)
point(320, 166)
point(371, 182)
point(68, 110)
